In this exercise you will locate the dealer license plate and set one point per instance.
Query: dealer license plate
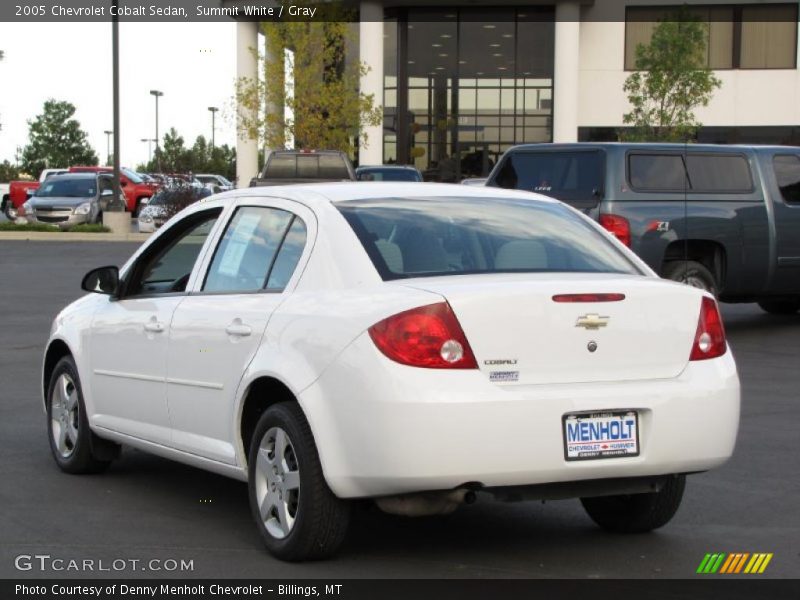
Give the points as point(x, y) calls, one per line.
point(612, 434)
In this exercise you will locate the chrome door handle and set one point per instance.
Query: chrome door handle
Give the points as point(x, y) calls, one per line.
point(238, 329)
point(154, 326)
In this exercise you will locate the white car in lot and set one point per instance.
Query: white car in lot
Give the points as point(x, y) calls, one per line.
point(414, 343)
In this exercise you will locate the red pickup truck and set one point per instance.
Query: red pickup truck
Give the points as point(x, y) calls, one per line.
point(20, 191)
point(137, 191)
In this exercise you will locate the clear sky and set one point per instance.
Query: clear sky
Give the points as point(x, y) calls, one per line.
point(194, 64)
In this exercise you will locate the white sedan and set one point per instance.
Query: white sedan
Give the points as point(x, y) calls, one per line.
point(414, 343)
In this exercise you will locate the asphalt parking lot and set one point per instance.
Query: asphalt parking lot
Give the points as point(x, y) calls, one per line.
point(149, 508)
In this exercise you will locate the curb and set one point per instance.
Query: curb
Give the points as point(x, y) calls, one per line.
point(46, 236)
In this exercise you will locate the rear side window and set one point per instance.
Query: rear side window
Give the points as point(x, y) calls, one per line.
point(787, 173)
point(245, 255)
point(420, 237)
point(658, 172)
point(288, 256)
point(707, 173)
point(717, 173)
point(573, 177)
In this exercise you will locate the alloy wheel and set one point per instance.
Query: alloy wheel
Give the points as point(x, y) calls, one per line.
point(277, 483)
point(64, 415)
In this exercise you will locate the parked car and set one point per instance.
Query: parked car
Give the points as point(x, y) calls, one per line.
point(327, 343)
point(19, 192)
point(283, 167)
point(722, 218)
point(217, 181)
point(388, 173)
point(158, 210)
point(68, 200)
point(136, 190)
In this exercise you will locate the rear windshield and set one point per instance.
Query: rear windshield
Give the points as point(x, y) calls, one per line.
point(418, 237)
point(307, 166)
point(573, 177)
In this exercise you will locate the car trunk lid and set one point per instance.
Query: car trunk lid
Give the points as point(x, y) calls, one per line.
point(520, 335)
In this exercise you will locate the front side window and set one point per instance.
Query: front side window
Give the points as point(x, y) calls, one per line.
point(787, 174)
point(245, 257)
point(417, 237)
point(166, 267)
point(573, 177)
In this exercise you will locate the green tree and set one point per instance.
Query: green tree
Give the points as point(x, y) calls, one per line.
point(670, 81)
point(172, 156)
point(8, 172)
point(328, 109)
point(55, 139)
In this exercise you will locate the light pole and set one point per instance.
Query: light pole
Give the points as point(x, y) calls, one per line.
point(213, 110)
point(157, 94)
point(108, 144)
point(149, 149)
point(118, 205)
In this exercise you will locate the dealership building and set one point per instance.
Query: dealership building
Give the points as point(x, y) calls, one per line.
point(460, 82)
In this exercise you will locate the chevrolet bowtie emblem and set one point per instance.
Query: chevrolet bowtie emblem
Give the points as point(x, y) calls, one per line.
point(592, 321)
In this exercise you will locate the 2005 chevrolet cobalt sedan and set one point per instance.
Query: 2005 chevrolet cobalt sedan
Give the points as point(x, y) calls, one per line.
point(417, 344)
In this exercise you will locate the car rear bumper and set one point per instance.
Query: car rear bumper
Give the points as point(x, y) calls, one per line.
point(383, 429)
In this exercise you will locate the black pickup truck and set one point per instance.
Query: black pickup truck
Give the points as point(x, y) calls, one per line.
point(283, 167)
point(724, 218)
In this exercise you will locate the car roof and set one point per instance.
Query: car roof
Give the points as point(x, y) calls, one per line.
point(651, 146)
point(405, 167)
point(74, 175)
point(317, 195)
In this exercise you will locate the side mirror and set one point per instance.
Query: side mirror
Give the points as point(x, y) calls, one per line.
point(102, 280)
point(123, 183)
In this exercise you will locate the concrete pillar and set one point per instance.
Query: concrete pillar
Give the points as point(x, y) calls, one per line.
point(370, 41)
point(274, 55)
point(565, 78)
point(246, 66)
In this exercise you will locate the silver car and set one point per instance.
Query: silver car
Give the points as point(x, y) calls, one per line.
point(68, 200)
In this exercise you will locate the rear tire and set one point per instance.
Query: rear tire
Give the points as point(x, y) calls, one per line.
point(75, 448)
point(781, 306)
point(637, 513)
point(691, 273)
point(297, 514)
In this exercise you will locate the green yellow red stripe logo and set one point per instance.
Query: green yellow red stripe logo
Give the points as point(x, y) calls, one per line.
point(734, 563)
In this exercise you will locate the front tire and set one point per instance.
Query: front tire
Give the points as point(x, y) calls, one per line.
point(297, 514)
point(782, 306)
point(73, 444)
point(692, 273)
point(637, 513)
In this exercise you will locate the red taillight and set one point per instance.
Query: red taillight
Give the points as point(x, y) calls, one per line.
point(619, 226)
point(428, 336)
point(709, 341)
point(588, 297)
